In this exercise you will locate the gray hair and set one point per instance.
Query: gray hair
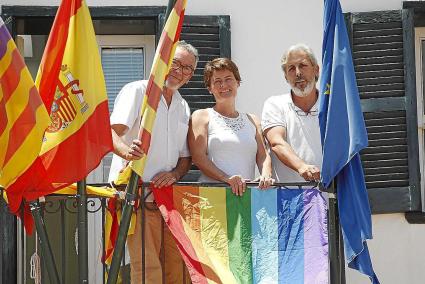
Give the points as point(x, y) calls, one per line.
point(298, 47)
point(189, 48)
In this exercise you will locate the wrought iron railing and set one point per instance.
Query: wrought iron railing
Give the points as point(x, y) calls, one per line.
point(60, 217)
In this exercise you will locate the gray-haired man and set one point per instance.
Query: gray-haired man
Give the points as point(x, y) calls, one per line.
point(167, 161)
point(290, 121)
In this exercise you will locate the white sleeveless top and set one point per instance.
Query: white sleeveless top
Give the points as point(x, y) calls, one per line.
point(231, 145)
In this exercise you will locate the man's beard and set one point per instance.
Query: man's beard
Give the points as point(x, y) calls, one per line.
point(307, 90)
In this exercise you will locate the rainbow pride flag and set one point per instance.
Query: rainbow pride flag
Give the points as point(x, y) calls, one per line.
point(265, 236)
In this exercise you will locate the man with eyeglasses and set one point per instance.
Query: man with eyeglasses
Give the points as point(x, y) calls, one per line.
point(167, 161)
point(290, 122)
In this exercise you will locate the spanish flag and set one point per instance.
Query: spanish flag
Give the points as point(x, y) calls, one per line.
point(23, 117)
point(71, 84)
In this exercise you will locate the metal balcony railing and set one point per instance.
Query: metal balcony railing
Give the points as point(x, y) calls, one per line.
point(60, 216)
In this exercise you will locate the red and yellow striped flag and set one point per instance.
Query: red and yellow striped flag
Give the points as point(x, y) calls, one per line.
point(23, 117)
point(160, 68)
point(72, 86)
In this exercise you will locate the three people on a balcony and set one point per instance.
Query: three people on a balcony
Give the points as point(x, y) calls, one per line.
point(224, 143)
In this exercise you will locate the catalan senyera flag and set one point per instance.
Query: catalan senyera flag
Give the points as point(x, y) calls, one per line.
point(23, 117)
point(160, 68)
point(265, 236)
point(71, 84)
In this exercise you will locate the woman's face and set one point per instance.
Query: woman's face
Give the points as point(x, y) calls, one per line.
point(223, 85)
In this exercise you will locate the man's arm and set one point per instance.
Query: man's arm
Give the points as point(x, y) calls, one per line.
point(168, 178)
point(276, 137)
point(127, 152)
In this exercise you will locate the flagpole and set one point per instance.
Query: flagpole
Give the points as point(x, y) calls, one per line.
point(127, 210)
point(83, 247)
point(336, 247)
point(43, 239)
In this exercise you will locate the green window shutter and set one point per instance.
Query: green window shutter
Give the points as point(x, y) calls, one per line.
point(379, 54)
point(211, 36)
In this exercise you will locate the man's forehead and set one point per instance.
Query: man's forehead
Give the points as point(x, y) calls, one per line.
point(298, 56)
point(184, 56)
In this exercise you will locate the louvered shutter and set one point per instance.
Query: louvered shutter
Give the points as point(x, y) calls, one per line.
point(211, 36)
point(379, 60)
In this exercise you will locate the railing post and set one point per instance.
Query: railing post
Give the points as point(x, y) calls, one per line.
point(83, 263)
point(43, 239)
point(336, 250)
point(8, 246)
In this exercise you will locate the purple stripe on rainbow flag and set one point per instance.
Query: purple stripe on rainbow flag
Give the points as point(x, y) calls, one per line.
point(4, 39)
point(315, 237)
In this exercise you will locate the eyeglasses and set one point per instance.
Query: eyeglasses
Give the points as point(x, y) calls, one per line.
point(186, 69)
point(300, 112)
point(311, 112)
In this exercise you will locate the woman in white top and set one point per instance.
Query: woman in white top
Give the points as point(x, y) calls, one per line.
point(226, 144)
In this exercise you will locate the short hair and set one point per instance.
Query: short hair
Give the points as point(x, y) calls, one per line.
point(189, 48)
point(219, 64)
point(296, 47)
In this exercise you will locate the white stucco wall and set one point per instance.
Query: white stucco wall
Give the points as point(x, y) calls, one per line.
point(260, 33)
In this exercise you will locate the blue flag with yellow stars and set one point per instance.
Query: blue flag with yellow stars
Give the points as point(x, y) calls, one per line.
point(343, 134)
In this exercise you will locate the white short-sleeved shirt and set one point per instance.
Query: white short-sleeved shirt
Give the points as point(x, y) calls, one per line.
point(169, 135)
point(231, 145)
point(302, 134)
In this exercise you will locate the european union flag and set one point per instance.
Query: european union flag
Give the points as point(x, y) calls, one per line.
point(343, 134)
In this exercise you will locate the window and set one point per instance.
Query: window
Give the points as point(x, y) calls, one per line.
point(125, 58)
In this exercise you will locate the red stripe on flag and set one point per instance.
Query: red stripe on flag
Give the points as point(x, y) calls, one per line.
point(55, 48)
point(179, 27)
point(179, 7)
point(23, 125)
point(154, 92)
point(3, 116)
point(164, 199)
point(146, 140)
point(12, 76)
point(167, 46)
point(51, 168)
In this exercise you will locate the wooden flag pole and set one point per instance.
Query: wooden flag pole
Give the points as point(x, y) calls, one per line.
point(127, 210)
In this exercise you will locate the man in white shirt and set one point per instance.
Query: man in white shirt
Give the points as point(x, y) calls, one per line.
point(167, 161)
point(290, 122)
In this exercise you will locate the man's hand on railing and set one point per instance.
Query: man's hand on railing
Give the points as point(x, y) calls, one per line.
point(165, 179)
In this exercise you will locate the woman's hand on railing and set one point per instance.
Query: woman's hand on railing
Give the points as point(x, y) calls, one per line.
point(237, 183)
point(264, 181)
